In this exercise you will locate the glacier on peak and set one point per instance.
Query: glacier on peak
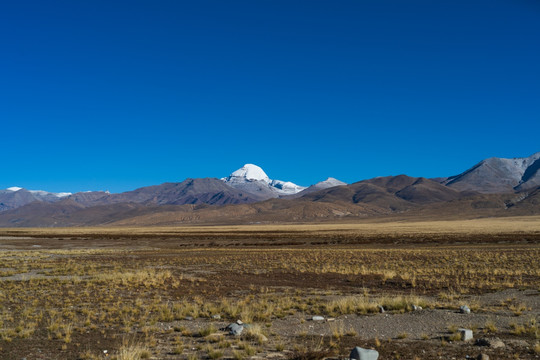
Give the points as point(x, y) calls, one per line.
point(252, 178)
point(248, 172)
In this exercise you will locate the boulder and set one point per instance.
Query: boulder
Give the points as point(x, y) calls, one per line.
point(381, 308)
point(466, 334)
point(317, 318)
point(416, 308)
point(464, 309)
point(234, 329)
point(494, 343)
point(359, 353)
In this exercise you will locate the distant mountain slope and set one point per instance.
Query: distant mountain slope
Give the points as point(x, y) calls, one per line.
point(190, 191)
point(15, 197)
point(326, 184)
point(493, 187)
point(270, 211)
point(393, 193)
point(40, 214)
point(499, 175)
point(69, 213)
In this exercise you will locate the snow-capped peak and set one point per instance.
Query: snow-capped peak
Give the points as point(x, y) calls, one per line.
point(251, 178)
point(39, 192)
point(249, 172)
point(331, 182)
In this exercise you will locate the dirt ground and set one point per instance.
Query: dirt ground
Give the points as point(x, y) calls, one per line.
point(91, 296)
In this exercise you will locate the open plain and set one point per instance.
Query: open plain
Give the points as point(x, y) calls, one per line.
point(165, 292)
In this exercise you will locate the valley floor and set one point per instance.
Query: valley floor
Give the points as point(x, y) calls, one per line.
point(165, 293)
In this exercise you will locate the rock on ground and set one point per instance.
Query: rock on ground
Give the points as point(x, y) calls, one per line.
point(359, 353)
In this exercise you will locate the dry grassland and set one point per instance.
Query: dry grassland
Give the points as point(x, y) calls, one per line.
point(523, 224)
point(159, 298)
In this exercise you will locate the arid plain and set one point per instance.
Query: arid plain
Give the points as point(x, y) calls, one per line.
point(165, 293)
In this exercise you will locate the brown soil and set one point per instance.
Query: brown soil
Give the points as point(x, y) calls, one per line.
point(422, 334)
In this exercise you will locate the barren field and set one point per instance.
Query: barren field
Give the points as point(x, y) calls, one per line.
point(165, 293)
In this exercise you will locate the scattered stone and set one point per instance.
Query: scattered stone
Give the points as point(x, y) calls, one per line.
point(317, 318)
point(466, 334)
point(239, 322)
point(482, 357)
point(464, 309)
point(381, 308)
point(330, 319)
point(234, 329)
point(494, 343)
point(216, 317)
point(359, 353)
point(189, 318)
point(416, 308)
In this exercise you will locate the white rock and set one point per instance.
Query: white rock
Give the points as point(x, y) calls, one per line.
point(466, 334)
point(359, 353)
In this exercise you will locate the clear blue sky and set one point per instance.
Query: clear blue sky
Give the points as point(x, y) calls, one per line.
point(121, 94)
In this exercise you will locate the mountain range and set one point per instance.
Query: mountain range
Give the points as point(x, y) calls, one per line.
point(493, 187)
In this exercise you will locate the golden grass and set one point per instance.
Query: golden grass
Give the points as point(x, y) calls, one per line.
point(139, 291)
point(518, 224)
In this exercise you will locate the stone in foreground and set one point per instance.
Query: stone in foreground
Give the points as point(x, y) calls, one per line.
point(359, 353)
point(466, 334)
point(235, 329)
point(494, 343)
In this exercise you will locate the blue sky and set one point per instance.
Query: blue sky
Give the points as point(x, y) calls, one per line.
point(115, 95)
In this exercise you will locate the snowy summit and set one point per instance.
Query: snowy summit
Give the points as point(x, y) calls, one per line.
point(40, 193)
point(248, 172)
point(251, 178)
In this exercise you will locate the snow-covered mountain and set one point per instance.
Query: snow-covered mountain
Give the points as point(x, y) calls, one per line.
point(252, 179)
point(496, 175)
point(14, 197)
point(40, 193)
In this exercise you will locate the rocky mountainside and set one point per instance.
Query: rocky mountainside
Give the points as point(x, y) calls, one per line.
point(391, 193)
point(499, 175)
point(326, 184)
point(190, 191)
